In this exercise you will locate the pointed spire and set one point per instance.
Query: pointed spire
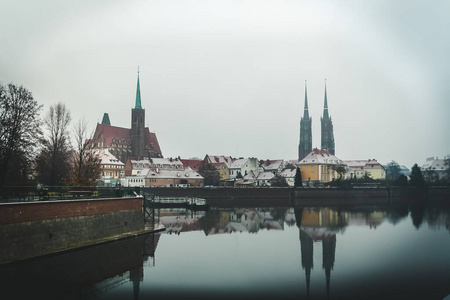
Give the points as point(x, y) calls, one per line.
point(138, 94)
point(305, 112)
point(106, 120)
point(325, 106)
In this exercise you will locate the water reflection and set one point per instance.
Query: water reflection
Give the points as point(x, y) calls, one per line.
point(129, 269)
point(319, 225)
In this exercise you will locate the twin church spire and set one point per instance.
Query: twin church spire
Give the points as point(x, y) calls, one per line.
point(327, 135)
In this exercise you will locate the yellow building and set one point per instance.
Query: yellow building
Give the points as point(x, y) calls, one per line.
point(321, 217)
point(223, 170)
point(359, 168)
point(318, 165)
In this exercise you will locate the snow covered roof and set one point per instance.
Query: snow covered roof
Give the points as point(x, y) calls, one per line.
point(364, 163)
point(166, 161)
point(291, 162)
point(373, 164)
point(250, 176)
point(218, 159)
point(187, 173)
point(238, 163)
point(355, 163)
point(271, 164)
point(434, 164)
point(288, 173)
point(265, 176)
point(320, 157)
point(106, 158)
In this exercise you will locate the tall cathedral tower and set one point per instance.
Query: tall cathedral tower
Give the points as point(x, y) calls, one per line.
point(137, 135)
point(327, 141)
point(305, 145)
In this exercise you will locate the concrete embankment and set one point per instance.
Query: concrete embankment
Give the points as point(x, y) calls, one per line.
point(39, 228)
point(239, 197)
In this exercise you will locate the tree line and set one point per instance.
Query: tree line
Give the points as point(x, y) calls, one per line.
point(47, 150)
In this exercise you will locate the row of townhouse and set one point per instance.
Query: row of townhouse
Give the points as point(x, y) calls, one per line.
point(317, 166)
point(249, 171)
point(146, 172)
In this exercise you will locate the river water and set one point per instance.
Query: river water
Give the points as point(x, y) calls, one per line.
point(389, 252)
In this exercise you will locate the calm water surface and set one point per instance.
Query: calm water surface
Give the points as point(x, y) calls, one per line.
point(267, 253)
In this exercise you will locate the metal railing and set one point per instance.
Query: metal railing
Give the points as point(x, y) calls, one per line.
point(11, 194)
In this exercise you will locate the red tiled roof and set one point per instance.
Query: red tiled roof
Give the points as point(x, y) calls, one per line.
point(151, 139)
point(194, 164)
point(106, 133)
point(320, 151)
point(218, 165)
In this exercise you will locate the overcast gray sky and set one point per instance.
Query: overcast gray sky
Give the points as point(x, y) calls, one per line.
point(227, 77)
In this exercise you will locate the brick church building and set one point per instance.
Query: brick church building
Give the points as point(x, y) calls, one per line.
point(136, 142)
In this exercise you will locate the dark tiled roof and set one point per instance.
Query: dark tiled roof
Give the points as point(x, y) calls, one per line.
point(106, 134)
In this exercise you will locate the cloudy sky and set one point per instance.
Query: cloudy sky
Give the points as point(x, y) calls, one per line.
point(228, 77)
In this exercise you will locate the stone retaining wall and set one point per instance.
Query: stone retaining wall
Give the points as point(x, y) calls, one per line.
point(38, 228)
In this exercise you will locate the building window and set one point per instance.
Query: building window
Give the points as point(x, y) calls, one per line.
point(312, 169)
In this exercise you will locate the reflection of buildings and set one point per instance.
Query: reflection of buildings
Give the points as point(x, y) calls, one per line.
point(135, 274)
point(226, 220)
point(87, 273)
point(177, 220)
point(318, 225)
point(371, 219)
point(321, 225)
point(250, 220)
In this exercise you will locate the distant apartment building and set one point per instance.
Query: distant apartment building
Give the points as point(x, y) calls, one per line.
point(274, 166)
point(359, 168)
point(136, 167)
point(436, 165)
point(289, 175)
point(218, 159)
point(160, 172)
point(111, 169)
point(184, 178)
point(264, 178)
point(243, 166)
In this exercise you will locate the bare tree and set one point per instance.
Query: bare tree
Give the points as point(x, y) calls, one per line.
point(341, 169)
point(19, 134)
point(392, 171)
point(85, 164)
point(52, 164)
point(430, 175)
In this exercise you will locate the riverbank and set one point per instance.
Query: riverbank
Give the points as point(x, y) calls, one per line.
point(34, 229)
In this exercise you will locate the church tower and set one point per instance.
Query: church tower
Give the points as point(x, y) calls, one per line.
point(327, 141)
point(137, 135)
point(305, 145)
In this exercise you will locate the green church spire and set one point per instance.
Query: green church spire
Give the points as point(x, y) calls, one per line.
point(138, 94)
